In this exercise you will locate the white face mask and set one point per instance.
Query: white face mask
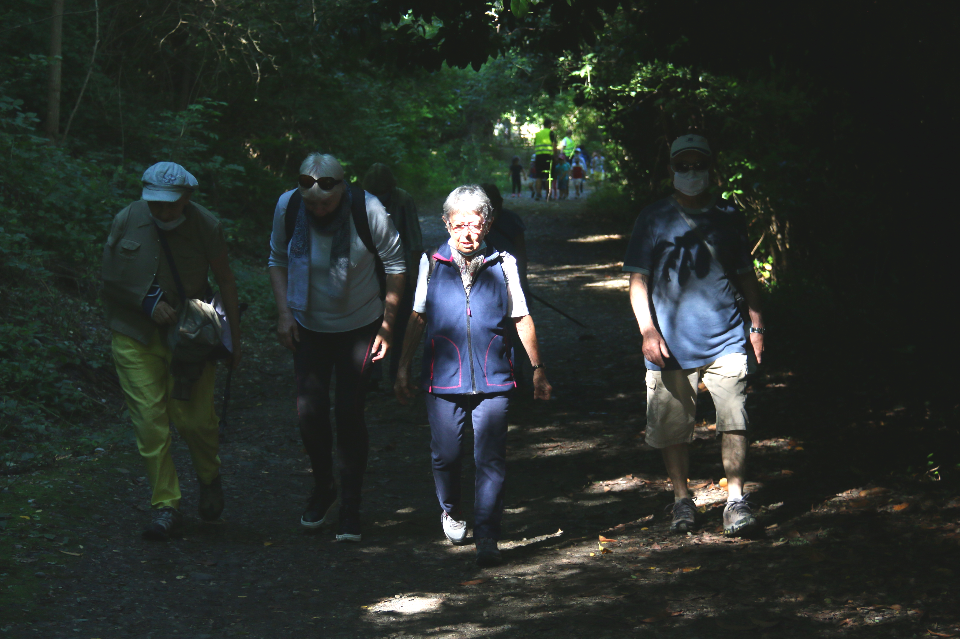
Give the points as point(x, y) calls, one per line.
point(692, 183)
point(169, 226)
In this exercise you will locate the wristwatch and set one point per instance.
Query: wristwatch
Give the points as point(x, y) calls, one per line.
point(536, 366)
point(761, 330)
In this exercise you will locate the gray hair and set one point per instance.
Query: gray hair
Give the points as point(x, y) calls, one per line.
point(318, 165)
point(468, 198)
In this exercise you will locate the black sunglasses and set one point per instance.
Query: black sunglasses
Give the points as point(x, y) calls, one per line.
point(325, 183)
point(683, 167)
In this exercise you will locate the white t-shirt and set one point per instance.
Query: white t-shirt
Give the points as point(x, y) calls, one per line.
point(516, 302)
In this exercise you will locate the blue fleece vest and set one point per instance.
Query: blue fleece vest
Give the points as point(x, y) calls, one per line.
point(467, 350)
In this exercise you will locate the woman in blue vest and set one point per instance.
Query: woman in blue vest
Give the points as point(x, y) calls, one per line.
point(467, 294)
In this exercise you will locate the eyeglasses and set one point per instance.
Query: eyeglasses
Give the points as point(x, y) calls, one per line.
point(683, 167)
point(325, 183)
point(463, 228)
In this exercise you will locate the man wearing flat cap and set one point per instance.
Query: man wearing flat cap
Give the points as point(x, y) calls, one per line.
point(155, 262)
point(697, 302)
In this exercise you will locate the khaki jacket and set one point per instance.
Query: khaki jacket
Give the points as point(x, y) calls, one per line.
point(133, 259)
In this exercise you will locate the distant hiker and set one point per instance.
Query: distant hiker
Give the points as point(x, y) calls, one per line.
point(325, 249)
point(379, 181)
point(689, 262)
point(533, 175)
point(544, 146)
point(578, 172)
point(467, 294)
point(566, 145)
point(516, 173)
point(563, 177)
point(155, 266)
point(596, 169)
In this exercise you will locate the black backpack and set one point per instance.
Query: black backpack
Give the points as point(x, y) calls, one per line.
point(358, 209)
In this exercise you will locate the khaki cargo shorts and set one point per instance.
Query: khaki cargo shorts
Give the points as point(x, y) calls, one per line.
point(672, 399)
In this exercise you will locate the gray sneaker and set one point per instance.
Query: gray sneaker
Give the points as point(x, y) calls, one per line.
point(684, 515)
point(737, 518)
point(488, 554)
point(210, 503)
point(166, 522)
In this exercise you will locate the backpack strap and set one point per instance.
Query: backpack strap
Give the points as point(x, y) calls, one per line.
point(358, 207)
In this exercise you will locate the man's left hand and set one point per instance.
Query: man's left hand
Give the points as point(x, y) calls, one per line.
point(756, 342)
point(381, 344)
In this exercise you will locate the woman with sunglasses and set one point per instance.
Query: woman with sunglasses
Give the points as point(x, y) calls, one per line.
point(332, 317)
point(467, 294)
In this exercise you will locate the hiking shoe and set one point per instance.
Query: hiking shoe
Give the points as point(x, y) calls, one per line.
point(487, 553)
point(349, 529)
point(319, 507)
point(684, 515)
point(455, 530)
point(737, 517)
point(211, 500)
point(166, 522)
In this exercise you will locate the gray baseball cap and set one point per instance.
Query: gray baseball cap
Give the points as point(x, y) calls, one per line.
point(690, 142)
point(167, 182)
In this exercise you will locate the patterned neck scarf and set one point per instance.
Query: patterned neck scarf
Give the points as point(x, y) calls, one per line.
point(298, 270)
point(469, 264)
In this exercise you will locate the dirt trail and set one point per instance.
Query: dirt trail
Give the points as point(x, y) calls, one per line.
point(831, 563)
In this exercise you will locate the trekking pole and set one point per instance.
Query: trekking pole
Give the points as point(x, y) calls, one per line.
point(549, 305)
point(226, 384)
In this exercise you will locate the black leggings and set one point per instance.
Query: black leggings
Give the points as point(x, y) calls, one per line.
point(316, 357)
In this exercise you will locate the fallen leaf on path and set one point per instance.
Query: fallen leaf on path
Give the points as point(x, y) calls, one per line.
point(691, 568)
point(181, 576)
point(268, 543)
point(847, 622)
point(900, 507)
point(873, 492)
point(655, 546)
point(786, 472)
point(896, 607)
point(24, 516)
point(474, 582)
point(72, 554)
point(941, 634)
point(607, 540)
point(663, 615)
point(792, 534)
point(605, 551)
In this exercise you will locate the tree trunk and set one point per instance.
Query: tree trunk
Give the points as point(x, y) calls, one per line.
point(56, 67)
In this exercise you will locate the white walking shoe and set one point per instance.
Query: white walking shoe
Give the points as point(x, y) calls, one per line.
point(456, 531)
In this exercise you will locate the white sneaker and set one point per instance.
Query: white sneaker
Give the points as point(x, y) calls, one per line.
point(456, 531)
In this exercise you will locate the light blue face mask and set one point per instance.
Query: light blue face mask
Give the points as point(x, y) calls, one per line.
point(169, 226)
point(692, 183)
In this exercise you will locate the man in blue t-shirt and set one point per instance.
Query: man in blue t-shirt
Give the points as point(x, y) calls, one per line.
point(688, 258)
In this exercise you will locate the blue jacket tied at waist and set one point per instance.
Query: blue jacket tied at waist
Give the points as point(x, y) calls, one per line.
point(467, 349)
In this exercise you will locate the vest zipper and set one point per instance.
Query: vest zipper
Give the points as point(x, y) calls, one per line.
point(473, 379)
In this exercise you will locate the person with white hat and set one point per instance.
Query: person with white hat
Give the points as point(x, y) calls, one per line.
point(155, 261)
point(690, 267)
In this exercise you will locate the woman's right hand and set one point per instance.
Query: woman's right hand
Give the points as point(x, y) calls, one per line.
point(287, 331)
point(403, 388)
